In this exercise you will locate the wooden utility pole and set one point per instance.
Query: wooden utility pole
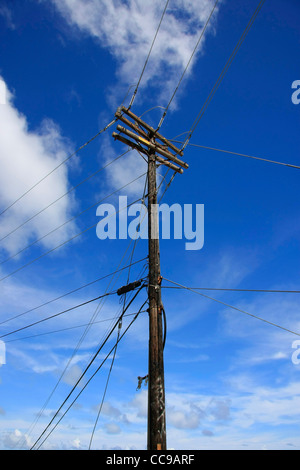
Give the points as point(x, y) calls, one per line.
point(146, 142)
point(156, 386)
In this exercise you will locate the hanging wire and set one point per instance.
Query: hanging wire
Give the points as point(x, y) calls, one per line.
point(84, 374)
point(58, 166)
point(223, 73)
point(148, 56)
point(187, 65)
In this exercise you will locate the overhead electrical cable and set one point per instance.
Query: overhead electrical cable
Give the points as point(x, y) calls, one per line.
point(137, 238)
point(241, 155)
point(223, 73)
point(106, 386)
point(88, 366)
point(234, 308)
point(92, 376)
point(58, 166)
point(110, 286)
point(56, 315)
point(88, 326)
point(74, 236)
point(83, 336)
point(101, 345)
point(275, 291)
point(59, 198)
point(131, 263)
point(188, 64)
point(148, 56)
point(167, 186)
point(52, 332)
point(67, 221)
point(72, 291)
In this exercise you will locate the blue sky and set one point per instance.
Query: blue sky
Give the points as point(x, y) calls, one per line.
point(66, 66)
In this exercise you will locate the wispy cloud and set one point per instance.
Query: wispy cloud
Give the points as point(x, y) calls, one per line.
point(6, 13)
point(127, 29)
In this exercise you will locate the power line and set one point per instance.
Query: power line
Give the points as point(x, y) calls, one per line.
point(57, 314)
point(86, 369)
point(167, 185)
point(124, 333)
point(234, 308)
point(223, 73)
point(72, 291)
point(136, 240)
point(148, 56)
point(66, 222)
point(188, 64)
point(58, 199)
point(91, 322)
point(58, 166)
point(75, 236)
point(68, 328)
point(240, 154)
point(239, 290)
point(88, 326)
point(120, 324)
point(84, 334)
point(89, 380)
point(106, 386)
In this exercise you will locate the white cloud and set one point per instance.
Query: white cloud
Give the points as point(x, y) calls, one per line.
point(140, 404)
point(2, 91)
point(127, 29)
point(183, 420)
point(266, 405)
point(191, 411)
point(72, 375)
point(112, 428)
point(220, 409)
point(76, 444)
point(267, 343)
point(110, 410)
point(128, 168)
point(11, 439)
point(26, 156)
